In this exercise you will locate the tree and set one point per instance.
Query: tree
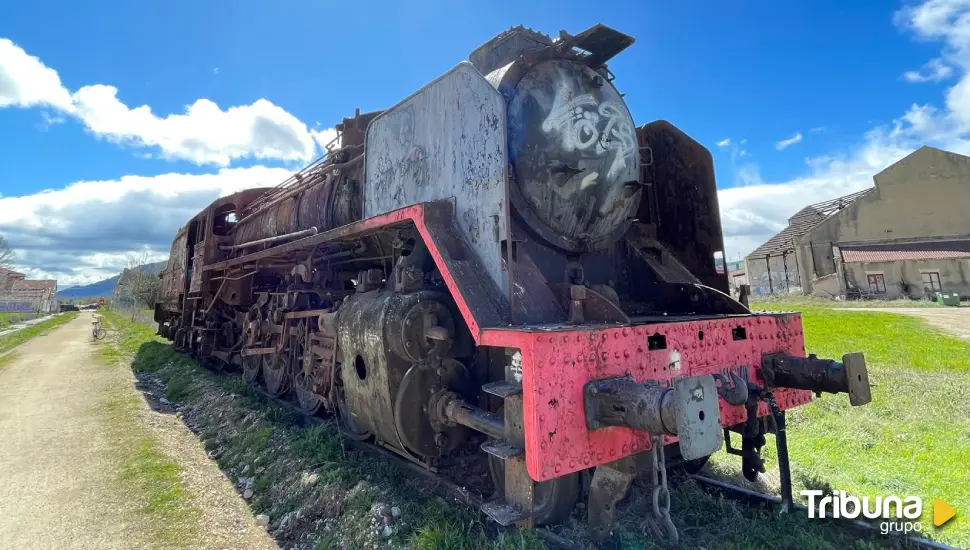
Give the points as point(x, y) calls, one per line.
point(139, 285)
point(6, 253)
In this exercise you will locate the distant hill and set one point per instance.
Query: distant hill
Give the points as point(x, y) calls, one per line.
point(105, 288)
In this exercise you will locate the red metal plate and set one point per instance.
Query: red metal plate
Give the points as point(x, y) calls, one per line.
point(556, 365)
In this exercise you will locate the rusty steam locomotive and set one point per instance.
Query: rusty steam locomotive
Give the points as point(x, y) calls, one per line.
point(503, 259)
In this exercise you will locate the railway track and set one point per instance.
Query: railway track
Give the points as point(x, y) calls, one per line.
point(438, 480)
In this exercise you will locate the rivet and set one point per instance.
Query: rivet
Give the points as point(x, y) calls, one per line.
point(626, 353)
point(624, 332)
point(558, 468)
point(605, 355)
point(616, 355)
point(586, 460)
point(572, 463)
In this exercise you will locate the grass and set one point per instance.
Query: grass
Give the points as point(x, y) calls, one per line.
point(11, 341)
point(798, 302)
point(913, 439)
point(7, 358)
point(149, 475)
point(152, 478)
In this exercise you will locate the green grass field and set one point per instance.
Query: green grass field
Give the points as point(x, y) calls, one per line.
point(913, 439)
point(7, 319)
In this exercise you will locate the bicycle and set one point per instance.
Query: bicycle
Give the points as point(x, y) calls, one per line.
point(97, 331)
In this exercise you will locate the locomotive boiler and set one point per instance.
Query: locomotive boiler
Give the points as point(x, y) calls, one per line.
point(503, 261)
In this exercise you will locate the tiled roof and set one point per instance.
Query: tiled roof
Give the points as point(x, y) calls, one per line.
point(15, 294)
point(937, 250)
point(802, 222)
point(5, 271)
point(39, 284)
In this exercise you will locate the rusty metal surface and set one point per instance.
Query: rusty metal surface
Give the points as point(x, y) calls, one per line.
point(610, 484)
point(195, 284)
point(445, 142)
point(683, 198)
point(820, 375)
point(173, 278)
point(556, 365)
point(573, 150)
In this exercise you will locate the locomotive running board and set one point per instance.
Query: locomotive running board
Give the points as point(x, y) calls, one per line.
point(480, 302)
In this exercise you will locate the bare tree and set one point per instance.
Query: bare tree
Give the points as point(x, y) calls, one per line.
point(6, 253)
point(139, 285)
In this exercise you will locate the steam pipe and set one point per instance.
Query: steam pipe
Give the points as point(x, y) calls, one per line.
point(268, 240)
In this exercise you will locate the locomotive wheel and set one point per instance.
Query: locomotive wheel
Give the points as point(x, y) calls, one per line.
point(690, 467)
point(552, 501)
point(274, 374)
point(695, 465)
point(252, 365)
point(180, 339)
point(308, 401)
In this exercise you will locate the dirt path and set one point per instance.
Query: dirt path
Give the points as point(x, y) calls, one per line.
point(60, 467)
point(955, 320)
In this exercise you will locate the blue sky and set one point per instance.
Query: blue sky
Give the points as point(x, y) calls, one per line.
point(137, 114)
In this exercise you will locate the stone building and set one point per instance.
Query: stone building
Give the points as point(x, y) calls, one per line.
point(906, 237)
point(21, 295)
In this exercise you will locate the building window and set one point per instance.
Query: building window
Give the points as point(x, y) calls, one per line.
point(876, 283)
point(931, 282)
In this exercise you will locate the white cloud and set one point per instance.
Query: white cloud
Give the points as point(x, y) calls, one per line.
point(26, 82)
point(934, 70)
point(785, 143)
point(82, 233)
point(726, 142)
point(203, 134)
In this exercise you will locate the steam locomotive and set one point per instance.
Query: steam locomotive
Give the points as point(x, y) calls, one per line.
point(503, 259)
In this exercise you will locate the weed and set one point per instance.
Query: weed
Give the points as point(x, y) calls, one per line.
point(177, 387)
point(8, 358)
point(317, 444)
point(150, 474)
